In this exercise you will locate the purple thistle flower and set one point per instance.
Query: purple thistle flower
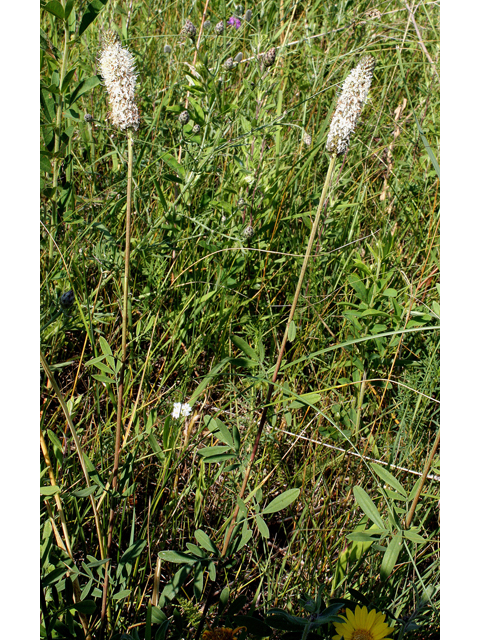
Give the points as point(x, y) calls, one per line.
point(234, 22)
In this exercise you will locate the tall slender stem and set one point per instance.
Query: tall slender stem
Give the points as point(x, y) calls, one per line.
point(58, 123)
point(118, 433)
point(263, 417)
point(428, 464)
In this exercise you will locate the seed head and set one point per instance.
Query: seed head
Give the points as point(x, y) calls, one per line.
point(219, 27)
point(228, 64)
point(189, 29)
point(67, 299)
point(350, 103)
point(88, 117)
point(117, 67)
point(239, 57)
point(167, 49)
point(307, 139)
point(269, 57)
point(183, 118)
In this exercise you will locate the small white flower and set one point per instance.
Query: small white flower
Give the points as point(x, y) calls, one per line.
point(180, 409)
point(186, 409)
point(177, 407)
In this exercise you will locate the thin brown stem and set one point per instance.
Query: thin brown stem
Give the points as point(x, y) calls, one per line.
point(428, 464)
point(282, 350)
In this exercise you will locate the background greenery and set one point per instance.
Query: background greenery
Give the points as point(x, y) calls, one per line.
point(206, 297)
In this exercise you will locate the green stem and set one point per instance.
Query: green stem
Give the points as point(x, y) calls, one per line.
point(118, 433)
point(311, 240)
point(58, 123)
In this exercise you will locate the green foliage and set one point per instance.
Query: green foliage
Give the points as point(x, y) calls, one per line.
point(206, 316)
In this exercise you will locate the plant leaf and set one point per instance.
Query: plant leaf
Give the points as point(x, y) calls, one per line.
point(391, 555)
point(282, 501)
point(387, 477)
point(367, 506)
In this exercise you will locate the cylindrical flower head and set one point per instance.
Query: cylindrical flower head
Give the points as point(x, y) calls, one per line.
point(118, 72)
point(269, 57)
point(353, 97)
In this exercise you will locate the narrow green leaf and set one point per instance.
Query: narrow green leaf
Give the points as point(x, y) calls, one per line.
point(205, 542)
point(90, 14)
point(49, 490)
point(391, 555)
point(411, 534)
point(55, 8)
point(104, 379)
point(282, 501)
point(83, 493)
point(218, 428)
point(387, 477)
point(83, 87)
point(262, 526)
point(244, 346)
point(177, 557)
point(121, 594)
point(66, 81)
point(207, 452)
point(367, 506)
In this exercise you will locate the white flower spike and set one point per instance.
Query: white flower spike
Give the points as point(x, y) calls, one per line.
point(118, 72)
point(349, 106)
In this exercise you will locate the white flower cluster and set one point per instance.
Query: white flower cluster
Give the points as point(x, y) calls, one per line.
point(117, 67)
point(180, 409)
point(350, 104)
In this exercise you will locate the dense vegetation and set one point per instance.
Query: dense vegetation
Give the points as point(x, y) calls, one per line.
point(222, 208)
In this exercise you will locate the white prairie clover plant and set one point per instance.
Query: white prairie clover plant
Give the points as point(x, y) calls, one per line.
point(350, 103)
point(117, 67)
point(118, 71)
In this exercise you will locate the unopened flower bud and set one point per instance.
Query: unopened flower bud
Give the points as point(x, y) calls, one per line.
point(307, 139)
point(196, 129)
point(228, 64)
point(67, 299)
point(167, 49)
point(189, 29)
point(248, 231)
point(184, 117)
point(269, 57)
point(239, 57)
point(219, 27)
point(248, 15)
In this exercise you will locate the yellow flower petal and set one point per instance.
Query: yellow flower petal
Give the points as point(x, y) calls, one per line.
point(370, 620)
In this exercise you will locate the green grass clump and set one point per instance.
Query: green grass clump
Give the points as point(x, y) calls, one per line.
point(335, 512)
